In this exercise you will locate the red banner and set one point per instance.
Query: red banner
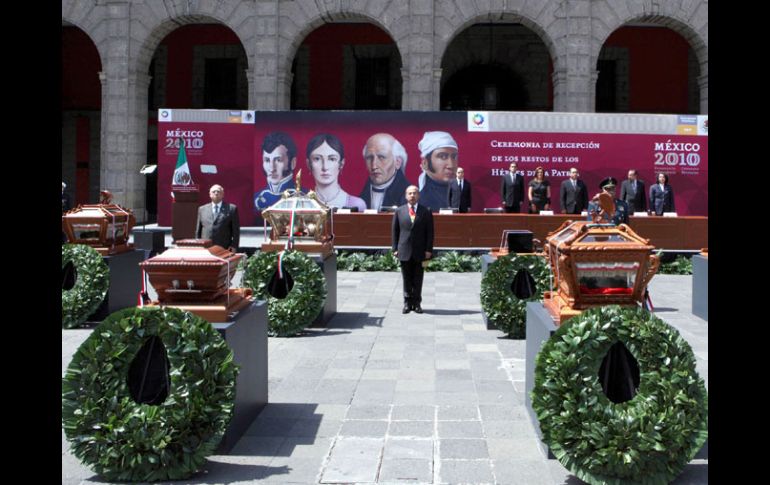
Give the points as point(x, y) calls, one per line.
point(236, 150)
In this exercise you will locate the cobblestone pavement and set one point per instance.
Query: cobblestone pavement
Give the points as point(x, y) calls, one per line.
point(381, 397)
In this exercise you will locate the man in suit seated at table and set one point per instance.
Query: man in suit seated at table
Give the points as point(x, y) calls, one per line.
point(218, 221)
point(459, 193)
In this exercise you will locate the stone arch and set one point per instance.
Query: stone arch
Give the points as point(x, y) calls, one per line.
point(446, 31)
point(693, 37)
point(89, 27)
point(680, 21)
point(154, 35)
point(295, 33)
point(688, 19)
point(80, 120)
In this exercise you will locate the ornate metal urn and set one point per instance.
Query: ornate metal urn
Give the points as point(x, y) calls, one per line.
point(595, 265)
point(105, 226)
point(300, 221)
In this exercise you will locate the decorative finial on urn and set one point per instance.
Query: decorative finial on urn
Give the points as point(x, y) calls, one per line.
point(106, 197)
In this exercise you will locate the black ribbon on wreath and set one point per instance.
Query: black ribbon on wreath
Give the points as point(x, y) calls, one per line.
point(523, 285)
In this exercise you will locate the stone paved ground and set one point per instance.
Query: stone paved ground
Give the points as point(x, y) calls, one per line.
point(381, 397)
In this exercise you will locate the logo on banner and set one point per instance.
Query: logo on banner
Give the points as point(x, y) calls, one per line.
point(703, 125)
point(687, 125)
point(193, 141)
point(164, 115)
point(240, 117)
point(478, 121)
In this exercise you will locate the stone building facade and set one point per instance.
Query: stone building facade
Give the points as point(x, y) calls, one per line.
point(128, 33)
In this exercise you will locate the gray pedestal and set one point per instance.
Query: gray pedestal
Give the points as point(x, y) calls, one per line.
point(247, 337)
point(125, 284)
point(540, 327)
point(329, 268)
point(486, 260)
point(152, 241)
point(700, 286)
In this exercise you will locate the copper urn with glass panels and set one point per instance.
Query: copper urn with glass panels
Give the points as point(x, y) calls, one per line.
point(303, 219)
point(105, 227)
point(595, 265)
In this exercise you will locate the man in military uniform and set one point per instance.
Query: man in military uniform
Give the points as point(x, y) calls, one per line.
point(621, 207)
point(279, 158)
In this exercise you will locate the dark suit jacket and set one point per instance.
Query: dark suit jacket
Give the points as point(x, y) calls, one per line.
point(661, 201)
point(573, 199)
point(457, 198)
point(512, 192)
point(637, 201)
point(394, 195)
point(224, 231)
point(412, 240)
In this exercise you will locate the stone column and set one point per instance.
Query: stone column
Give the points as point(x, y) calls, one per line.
point(575, 79)
point(420, 92)
point(124, 116)
point(436, 88)
point(265, 84)
point(703, 84)
point(560, 97)
point(251, 101)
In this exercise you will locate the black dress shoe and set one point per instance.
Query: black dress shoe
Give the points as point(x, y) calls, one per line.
point(406, 309)
point(417, 308)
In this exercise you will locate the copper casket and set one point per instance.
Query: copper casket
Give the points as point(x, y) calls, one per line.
point(197, 279)
point(302, 216)
point(105, 227)
point(595, 265)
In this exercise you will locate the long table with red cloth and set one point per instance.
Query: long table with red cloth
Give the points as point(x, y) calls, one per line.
point(476, 230)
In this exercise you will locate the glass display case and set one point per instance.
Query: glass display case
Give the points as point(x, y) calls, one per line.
point(105, 227)
point(596, 264)
point(300, 220)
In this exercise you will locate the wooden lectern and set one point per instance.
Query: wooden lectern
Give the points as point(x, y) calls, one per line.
point(184, 211)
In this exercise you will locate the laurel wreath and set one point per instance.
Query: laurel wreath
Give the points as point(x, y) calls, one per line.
point(91, 284)
point(125, 441)
point(290, 315)
point(498, 301)
point(648, 439)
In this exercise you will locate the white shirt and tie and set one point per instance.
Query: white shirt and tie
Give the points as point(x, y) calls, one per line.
point(216, 208)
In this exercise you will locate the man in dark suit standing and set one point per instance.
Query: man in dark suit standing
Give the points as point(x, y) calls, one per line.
point(385, 159)
point(459, 193)
point(633, 193)
point(412, 241)
point(512, 190)
point(573, 194)
point(218, 221)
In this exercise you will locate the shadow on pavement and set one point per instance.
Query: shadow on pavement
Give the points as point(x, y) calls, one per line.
point(218, 472)
point(354, 320)
point(279, 428)
point(449, 312)
point(692, 474)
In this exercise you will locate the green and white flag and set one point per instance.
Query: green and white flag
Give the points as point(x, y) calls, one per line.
point(182, 171)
